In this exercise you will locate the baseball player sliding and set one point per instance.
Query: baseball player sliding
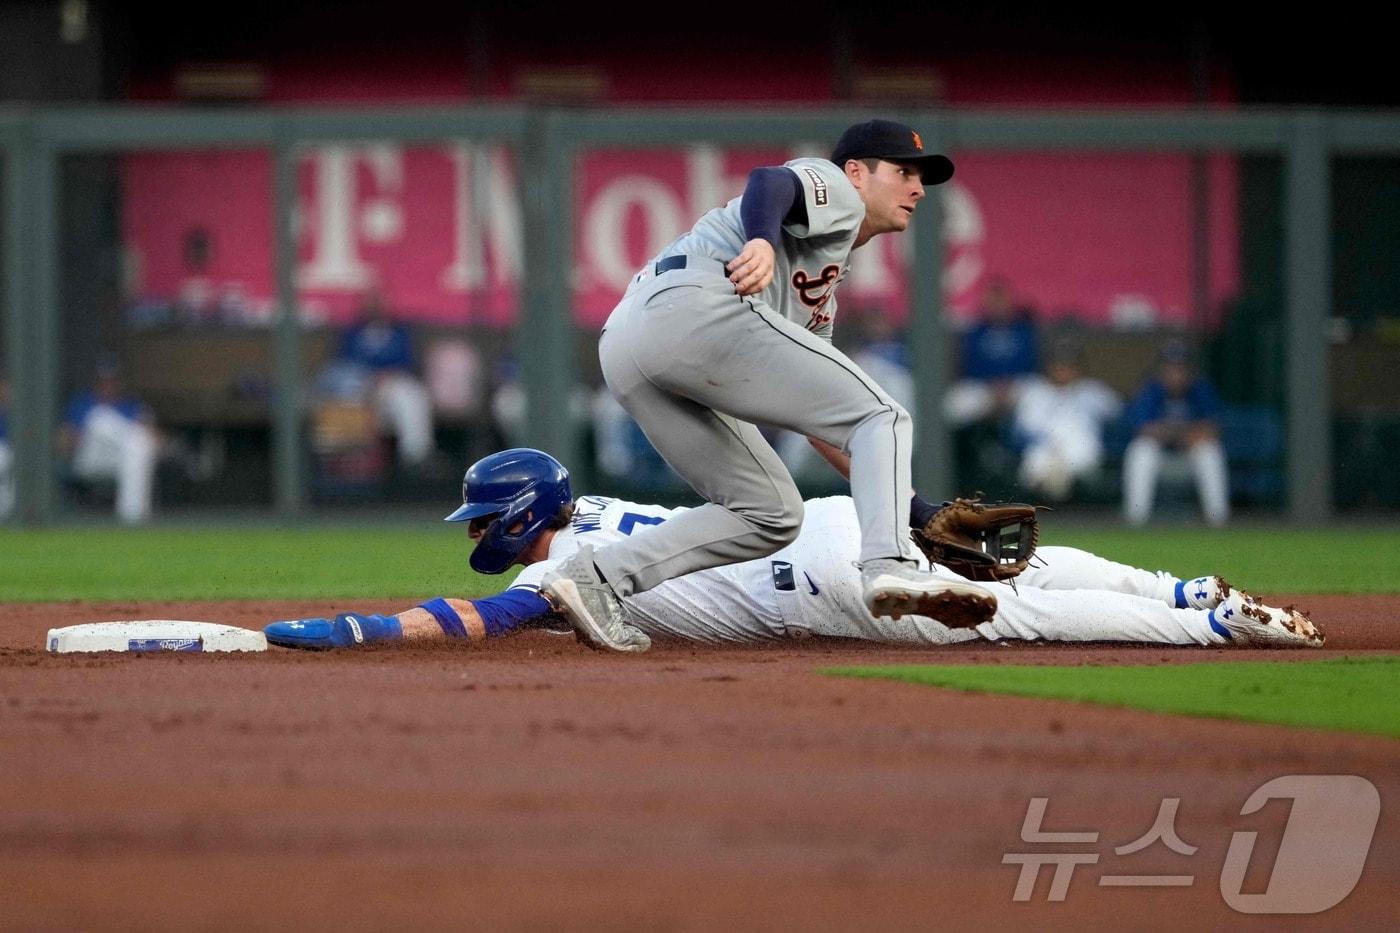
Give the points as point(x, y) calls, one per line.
point(521, 510)
point(731, 325)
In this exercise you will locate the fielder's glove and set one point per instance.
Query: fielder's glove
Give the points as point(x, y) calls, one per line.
point(979, 540)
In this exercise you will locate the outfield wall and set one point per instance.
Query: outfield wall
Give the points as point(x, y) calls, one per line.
point(557, 245)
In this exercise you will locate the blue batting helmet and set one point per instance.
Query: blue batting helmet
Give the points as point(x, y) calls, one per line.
point(520, 487)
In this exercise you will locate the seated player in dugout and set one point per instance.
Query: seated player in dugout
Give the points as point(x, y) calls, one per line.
point(520, 510)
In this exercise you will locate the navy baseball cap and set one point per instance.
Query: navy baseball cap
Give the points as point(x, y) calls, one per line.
point(886, 139)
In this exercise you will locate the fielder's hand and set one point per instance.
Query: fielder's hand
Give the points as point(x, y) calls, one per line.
point(752, 269)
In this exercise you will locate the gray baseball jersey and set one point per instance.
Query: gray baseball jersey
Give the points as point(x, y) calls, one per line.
point(811, 259)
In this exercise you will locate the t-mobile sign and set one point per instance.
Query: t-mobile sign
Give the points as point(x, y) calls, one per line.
point(439, 229)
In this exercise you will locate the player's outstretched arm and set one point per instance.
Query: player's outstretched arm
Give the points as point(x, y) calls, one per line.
point(435, 620)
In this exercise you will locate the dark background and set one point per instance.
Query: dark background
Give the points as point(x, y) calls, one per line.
point(1333, 57)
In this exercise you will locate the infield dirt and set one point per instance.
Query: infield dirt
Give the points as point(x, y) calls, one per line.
point(535, 784)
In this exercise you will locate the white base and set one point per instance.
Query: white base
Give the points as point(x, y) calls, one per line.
point(154, 635)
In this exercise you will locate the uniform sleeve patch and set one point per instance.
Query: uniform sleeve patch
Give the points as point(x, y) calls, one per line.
point(818, 187)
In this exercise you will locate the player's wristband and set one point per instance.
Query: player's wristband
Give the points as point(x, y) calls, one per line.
point(447, 617)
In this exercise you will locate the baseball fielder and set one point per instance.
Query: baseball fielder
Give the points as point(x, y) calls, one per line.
point(522, 511)
point(731, 325)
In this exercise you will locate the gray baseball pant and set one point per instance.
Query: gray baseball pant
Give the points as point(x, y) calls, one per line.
point(696, 365)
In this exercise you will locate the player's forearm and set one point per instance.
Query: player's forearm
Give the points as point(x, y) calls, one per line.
point(920, 510)
point(840, 460)
point(421, 625)
point(434, 620)
point(474, 620)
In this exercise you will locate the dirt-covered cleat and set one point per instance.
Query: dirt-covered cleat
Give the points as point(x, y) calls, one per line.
point(1246, 621)
point(894, 588)
point(580, 594)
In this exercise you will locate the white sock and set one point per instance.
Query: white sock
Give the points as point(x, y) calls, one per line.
point(1199, 593)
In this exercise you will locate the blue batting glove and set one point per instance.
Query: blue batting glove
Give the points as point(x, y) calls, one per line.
point(347, 630)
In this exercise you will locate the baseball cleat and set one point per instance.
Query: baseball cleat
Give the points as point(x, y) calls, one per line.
point(895, 589)
point(580, 594)
point(1202, 592)
point(1246, 621)
point(347, 630)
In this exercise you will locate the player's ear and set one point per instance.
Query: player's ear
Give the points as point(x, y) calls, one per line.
point(856, 171)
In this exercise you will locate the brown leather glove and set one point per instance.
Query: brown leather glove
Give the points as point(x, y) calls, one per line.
point(981, 540)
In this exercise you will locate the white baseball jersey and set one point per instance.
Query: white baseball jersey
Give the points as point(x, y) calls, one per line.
point(812, 257)
point(728, 603)
point(812, 586)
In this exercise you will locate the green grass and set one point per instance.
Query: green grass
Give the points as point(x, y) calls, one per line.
point(238, 563)
point(413, 562)
point(1266, 559)
point(1346, 694)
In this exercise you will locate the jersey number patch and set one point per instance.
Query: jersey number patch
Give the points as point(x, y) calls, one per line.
point(630, 520)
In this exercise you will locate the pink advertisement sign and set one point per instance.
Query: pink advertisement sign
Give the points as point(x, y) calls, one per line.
point(1104, 238)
